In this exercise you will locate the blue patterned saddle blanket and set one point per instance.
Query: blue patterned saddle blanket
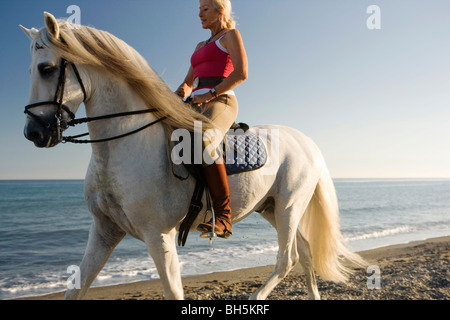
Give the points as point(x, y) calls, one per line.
point(244, 152)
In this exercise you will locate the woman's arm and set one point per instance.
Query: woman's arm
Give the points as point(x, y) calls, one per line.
point(235, 47)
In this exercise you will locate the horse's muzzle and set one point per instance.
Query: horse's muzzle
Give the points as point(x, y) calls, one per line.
point(41, 136)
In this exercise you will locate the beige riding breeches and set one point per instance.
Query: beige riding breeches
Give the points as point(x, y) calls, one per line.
point(223, 112)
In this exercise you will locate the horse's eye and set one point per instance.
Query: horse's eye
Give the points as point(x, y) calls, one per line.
point(46, 70)
point(38, 47)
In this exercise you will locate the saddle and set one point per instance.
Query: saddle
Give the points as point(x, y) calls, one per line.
point(243, 151)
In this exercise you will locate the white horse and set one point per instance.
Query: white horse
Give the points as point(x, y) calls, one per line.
point(130, 187)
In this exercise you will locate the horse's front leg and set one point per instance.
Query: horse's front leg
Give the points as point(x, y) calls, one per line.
point(103, 238)
point(162, 249)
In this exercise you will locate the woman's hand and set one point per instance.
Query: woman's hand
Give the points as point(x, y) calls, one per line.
point(180, 92)
point(202, 98)
point(183, 91)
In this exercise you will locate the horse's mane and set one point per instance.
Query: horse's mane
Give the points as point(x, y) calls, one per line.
point(89, 46)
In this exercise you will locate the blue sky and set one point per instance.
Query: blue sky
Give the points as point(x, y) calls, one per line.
point(375, 101)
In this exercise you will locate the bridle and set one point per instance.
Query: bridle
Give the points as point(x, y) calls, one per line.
point(57, 101)
point(62, 124)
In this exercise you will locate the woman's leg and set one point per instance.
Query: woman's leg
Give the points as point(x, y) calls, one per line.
point(223, 113)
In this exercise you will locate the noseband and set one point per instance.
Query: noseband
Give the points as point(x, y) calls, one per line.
point(62, 124)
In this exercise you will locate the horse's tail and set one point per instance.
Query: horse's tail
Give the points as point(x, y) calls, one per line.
point(320, 226)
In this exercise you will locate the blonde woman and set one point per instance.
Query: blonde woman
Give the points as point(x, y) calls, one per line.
point(218, 65)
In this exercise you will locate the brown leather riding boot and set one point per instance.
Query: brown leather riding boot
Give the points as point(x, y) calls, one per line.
point(217, 181)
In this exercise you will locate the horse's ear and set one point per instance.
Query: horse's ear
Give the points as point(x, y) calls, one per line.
point(52, 25)
point(32, 33)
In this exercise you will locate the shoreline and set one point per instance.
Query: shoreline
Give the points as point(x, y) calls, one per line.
point(417, 270)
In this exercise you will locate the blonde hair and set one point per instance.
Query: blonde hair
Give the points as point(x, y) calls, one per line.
point(224, 7)
point(89, 46)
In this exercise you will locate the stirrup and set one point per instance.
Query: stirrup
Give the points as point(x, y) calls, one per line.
point(207, 231)
point(208, 234)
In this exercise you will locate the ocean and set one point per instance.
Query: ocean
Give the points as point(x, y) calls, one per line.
point(44, 228)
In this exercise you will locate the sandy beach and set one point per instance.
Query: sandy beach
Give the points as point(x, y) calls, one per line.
point(414, 271)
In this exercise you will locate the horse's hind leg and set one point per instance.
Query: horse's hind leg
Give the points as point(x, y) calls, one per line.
point(306, 262)
point(293, 247)
point(287, 256)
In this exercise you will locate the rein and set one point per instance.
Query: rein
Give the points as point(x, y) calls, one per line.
point(62, 125)
point(74, 139)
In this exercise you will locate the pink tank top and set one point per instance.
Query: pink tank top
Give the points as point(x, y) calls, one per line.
point(211, 61)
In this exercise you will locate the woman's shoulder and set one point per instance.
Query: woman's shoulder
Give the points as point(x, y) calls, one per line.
point(231, 35)
point(231, 38)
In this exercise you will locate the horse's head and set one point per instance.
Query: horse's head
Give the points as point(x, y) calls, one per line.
point(56, 87)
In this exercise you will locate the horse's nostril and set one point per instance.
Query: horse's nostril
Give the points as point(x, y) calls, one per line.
point(33, 134)
point(37, 137)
